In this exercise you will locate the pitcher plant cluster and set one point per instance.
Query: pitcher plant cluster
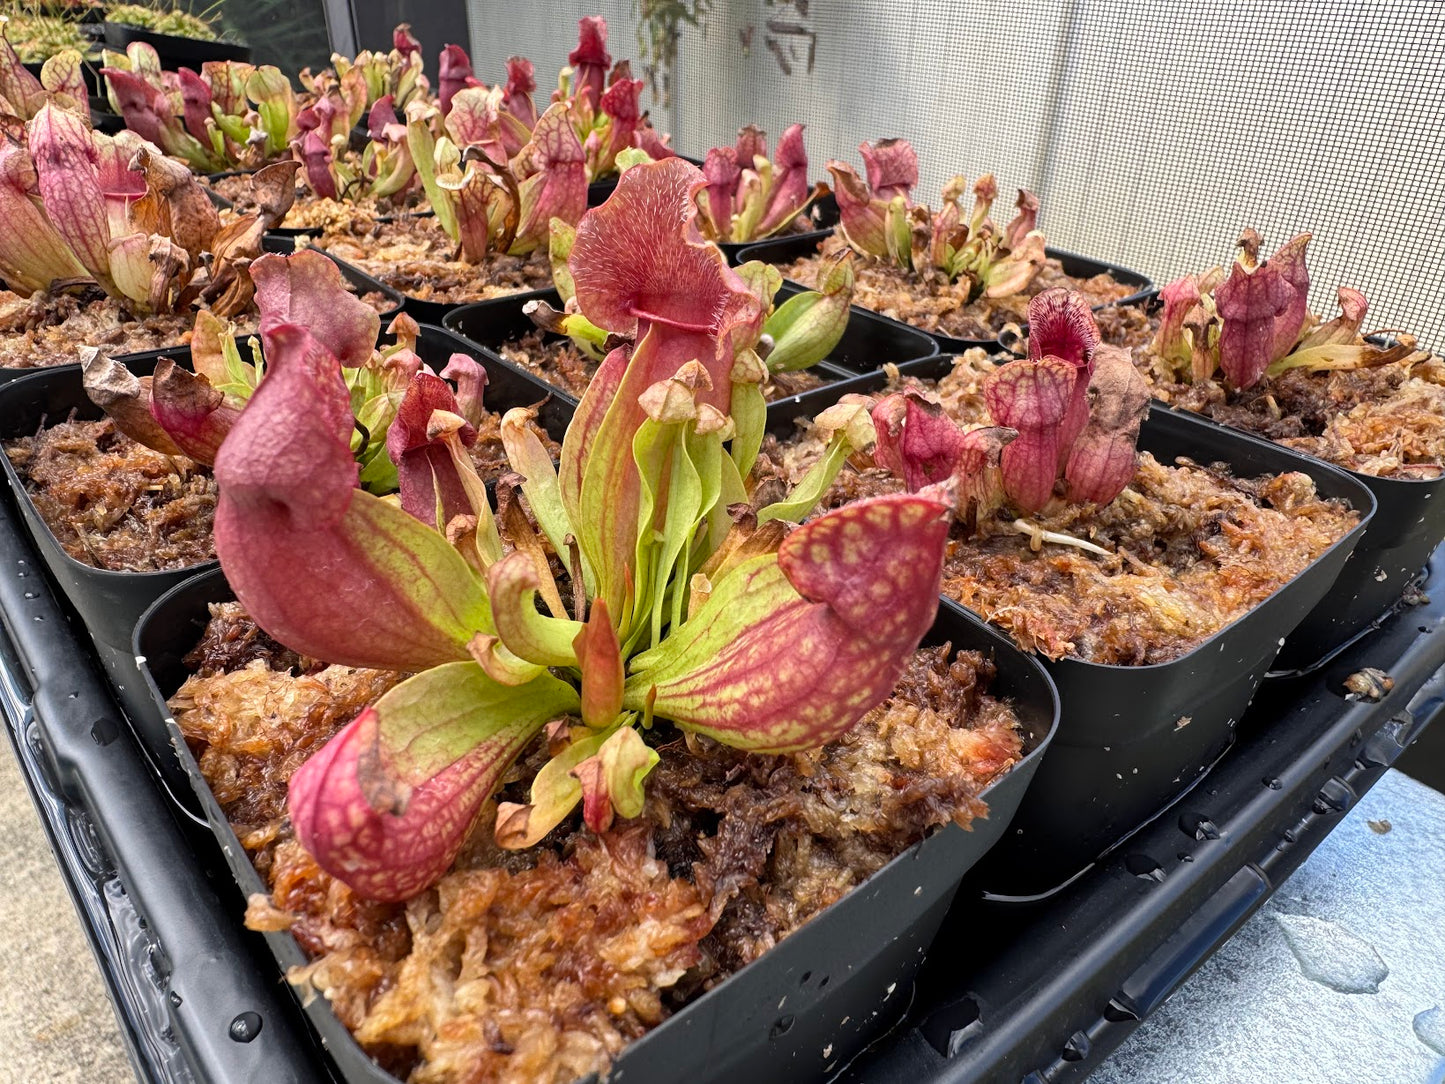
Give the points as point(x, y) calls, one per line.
point(587, 602)
point(878, 218)
point(1254, 323)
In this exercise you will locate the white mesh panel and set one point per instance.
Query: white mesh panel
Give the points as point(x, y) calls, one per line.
point(1153, 130)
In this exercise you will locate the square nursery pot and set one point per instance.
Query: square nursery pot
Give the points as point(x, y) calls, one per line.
point(174, 51)
point(805, 1008)
point(1409, 522)
point(868, 342)
point(359, 280)
point(817, 221)
point(1133, 739)
point(109, 603)
point(787, 249)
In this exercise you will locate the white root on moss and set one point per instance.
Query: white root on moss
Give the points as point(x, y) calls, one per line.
point(1038, 536)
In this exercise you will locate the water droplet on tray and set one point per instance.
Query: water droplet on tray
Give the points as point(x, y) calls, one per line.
point(1430, 1028)
point(1332, 955)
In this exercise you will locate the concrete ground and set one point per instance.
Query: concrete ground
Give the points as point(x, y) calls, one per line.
point(56, 1024)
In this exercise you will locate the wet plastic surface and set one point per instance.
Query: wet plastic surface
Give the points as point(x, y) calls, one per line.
point(868, 343)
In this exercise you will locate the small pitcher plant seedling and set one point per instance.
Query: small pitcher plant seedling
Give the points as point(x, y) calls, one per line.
point(486, 202)
point(1067, 420)
point(643, 584)
point(231, 116)
point(749, 196)
point(1254, 323)
point(879, 219)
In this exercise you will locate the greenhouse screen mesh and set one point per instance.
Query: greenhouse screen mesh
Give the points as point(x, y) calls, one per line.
point(1152, 131)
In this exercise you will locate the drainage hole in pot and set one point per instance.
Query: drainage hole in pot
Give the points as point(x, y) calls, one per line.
point(1273, 782)
point(804, 980)
point(783, 1025)
point(1198, 826)
point(104, 731)
point(1144, 867)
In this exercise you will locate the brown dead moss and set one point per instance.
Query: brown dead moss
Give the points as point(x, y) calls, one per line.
point(1192, 548)
point(415, 256)
point(43, 331)
point(944, 307)
point(113, 503)
point(543, 965)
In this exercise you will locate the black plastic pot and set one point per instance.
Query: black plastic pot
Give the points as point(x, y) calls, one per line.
point(787, 249)
point(103, 119)
point(1132, 739)
point(822, 216)
point(867, 344)
point(598, 191)
point(1408, 524)
point(107, 602)
point(175, 52)
point(809, 1005)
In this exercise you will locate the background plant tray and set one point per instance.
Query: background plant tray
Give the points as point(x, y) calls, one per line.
point(1030, 996)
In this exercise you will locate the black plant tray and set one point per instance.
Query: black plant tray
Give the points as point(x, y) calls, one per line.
point(360, 281)
point(868, 342)
point(854, 963)
point(174, 51)
point(1044, 992)
point(1048, 988)
point(787, 249)
point(1133, 738)
point(822, 216)
point(109, 603)
point(184, 976)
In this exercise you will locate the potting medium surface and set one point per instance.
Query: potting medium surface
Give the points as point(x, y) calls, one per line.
point(1339, 977)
